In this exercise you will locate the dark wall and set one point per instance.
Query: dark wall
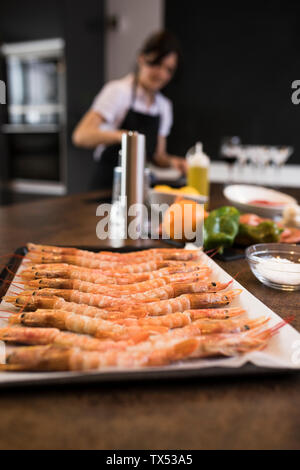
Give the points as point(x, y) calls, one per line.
point(239, 62)
point(81, 25)
point(30, 20)
point(85, 61)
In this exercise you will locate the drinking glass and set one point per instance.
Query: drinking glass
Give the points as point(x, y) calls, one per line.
point(229, 153)
point(279, 157)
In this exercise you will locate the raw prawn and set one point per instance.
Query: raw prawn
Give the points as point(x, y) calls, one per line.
point(106, 266)
point(56, 303)
point(172, 320)
point(171, 291)
point(98, 328)
point(64, 271)
point(164, 253)
point(147, 354)
point(179, 304)
point(45, 336)
point(180, 319)
point(116, 290)
point(89, 293)
point(53, 358)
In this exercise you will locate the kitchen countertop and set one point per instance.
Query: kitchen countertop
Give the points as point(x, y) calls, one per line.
point(227, 413)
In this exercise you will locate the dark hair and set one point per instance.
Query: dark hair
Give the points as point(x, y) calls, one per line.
point(161, 44)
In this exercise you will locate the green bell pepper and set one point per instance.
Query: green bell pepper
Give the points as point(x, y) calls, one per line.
point(221, 228)
point(266, 232)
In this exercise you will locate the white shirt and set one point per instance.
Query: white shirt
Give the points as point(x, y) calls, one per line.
point(115, 99)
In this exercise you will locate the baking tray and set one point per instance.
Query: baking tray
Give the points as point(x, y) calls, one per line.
point(152, 374)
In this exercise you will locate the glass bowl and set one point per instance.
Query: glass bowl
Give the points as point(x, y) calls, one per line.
point(282, 275)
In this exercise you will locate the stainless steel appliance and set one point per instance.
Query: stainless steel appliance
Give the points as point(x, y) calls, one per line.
point(35, 131)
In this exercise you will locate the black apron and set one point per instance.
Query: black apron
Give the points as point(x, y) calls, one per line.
point(134, 121)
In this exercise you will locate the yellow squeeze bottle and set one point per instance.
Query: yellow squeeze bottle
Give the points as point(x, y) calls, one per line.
point(198, 169)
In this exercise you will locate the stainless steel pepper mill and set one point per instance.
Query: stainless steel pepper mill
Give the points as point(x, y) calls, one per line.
point(133, 174)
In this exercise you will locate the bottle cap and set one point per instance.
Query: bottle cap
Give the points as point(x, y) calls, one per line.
point(196, 156)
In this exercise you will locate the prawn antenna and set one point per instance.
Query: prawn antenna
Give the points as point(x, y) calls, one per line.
point(11, 272)
point(214, 253)
point(6, 281)
point(234, 278)
point(280, 325)
point(12, 255)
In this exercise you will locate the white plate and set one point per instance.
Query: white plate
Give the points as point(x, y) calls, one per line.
point(283, 351)
point(239, 195)
point(165, 174)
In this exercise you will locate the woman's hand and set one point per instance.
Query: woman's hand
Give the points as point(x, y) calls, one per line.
point(163, 159)
point(179, 164)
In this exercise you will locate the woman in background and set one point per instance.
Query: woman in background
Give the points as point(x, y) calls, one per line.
point(134, 103)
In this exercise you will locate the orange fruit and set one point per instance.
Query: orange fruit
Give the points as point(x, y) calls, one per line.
point(182, 220)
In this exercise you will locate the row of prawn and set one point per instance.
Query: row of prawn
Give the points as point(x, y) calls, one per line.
point(82, 318)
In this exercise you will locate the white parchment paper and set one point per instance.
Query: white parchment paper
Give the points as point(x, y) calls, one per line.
point(283, 350)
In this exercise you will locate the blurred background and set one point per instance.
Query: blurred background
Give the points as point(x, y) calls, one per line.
point(239, 62)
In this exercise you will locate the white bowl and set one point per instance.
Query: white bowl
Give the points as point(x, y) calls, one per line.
point(271, 273)
point(239, 195)
point(157, 197)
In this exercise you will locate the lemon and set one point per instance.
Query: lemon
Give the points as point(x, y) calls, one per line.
point(163, 189)
point(177, 192)
point(189, 190)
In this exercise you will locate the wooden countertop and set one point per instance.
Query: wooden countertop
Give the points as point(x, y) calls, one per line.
point(231, 413)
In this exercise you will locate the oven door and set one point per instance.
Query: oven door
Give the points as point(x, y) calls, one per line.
point(34, 156)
